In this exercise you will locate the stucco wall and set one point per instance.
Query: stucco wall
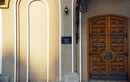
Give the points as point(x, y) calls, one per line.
point(8, 41)
point(8, 47)
point(98, 7)
point(66, 30)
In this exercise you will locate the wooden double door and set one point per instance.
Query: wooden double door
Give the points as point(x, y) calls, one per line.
point(108, 54)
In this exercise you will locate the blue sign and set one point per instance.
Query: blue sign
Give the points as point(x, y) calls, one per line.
point(66, 40)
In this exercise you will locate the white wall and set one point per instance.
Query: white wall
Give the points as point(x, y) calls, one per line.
point(98, 7)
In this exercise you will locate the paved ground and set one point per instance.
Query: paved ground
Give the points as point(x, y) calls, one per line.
point(105, 81)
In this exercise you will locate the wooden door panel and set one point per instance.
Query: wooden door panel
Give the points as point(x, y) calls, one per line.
point(108, 48)
point(98, 66)
point(118, 46)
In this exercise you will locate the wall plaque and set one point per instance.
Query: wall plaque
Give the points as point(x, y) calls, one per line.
point(66, 40)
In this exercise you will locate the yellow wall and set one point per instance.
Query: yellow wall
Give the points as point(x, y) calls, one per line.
point(8, 41)
point(38, 40)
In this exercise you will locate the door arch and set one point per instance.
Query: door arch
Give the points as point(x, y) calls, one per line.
point(26, 25)
point(108, 47)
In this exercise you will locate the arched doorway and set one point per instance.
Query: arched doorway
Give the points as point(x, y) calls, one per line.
point(108, 50)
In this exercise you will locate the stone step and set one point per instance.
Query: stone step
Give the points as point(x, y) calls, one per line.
point(71, 77)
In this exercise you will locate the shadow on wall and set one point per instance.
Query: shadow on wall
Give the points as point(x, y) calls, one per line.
point(8, 68)
point(8, 65)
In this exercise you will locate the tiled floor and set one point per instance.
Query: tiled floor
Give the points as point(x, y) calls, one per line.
point(105, 81)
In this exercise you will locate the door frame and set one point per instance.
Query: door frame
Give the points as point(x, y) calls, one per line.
point(128, 39)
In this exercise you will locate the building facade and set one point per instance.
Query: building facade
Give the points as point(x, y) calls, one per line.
point(44, 40)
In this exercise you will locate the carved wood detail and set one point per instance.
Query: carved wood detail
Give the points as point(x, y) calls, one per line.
point(108, 47)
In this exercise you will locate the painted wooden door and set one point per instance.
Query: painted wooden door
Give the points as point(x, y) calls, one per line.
point(108, 48)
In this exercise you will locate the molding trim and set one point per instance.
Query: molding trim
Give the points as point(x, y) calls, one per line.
point(73, 36)
point(17, 41)
point(80, 46)
point(17, 37)
point(60, 68)
point(0, 41)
